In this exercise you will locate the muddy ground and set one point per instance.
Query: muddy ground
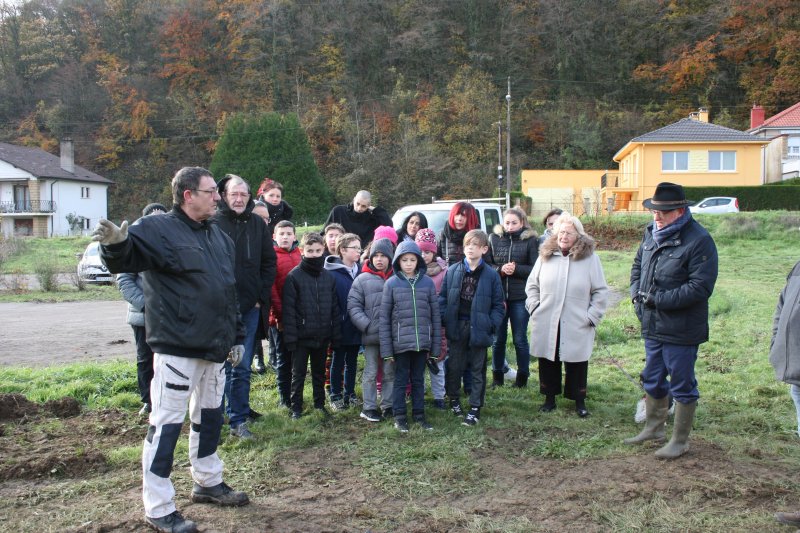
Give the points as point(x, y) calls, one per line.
point(58, 468)
point(66, 469)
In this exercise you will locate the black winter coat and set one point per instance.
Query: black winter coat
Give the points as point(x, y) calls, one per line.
point(189, 286)
point(278, 213)
point(362, 224)
point(450, 245)
point(680, 274)
point(311, 315)
point(520, 247)
point(255, 256)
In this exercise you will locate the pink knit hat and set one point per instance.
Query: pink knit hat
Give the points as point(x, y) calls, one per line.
point(426, 240)
point(385, 232)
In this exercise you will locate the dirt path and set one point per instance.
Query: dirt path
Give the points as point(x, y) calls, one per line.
point(57, 333)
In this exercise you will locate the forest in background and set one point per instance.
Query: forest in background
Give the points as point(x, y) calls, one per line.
point(401, 97)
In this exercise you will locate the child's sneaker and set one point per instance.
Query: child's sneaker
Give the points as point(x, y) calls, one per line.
point(455, 408)
point(296, 415)
point(371, 415)
point(472, 417)
point(420, 419)
point(401, 425)
point(353, 401)
point(338, 405)
point(439, 404)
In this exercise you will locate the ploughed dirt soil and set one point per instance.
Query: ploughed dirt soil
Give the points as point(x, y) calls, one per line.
point(59, 472)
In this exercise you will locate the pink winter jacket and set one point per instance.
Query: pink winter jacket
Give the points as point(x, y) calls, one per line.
point(436, 271)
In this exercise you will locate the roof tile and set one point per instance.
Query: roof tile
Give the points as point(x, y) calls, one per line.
point(690, 130)
point(44, 164)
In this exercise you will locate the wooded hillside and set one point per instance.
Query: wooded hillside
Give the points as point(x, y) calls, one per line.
point(397, 96)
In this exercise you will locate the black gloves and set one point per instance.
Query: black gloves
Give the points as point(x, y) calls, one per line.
point(433, 366)
point(647, 299)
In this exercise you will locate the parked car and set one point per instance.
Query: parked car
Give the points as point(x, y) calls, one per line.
point(489, 214)
point(716, 204)
point(90, 268)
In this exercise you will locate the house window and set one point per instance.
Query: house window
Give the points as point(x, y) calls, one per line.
point(793, 150)
point(84, 192)
point(674, 161)
point(719, 161)
point(86, 223)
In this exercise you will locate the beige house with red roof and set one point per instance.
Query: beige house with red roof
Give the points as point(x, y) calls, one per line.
point(781, 157)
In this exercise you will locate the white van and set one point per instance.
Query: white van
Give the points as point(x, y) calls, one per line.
point(489, 214)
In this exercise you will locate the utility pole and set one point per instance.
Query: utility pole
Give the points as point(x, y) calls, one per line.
point(499, 154)
point(508, 145)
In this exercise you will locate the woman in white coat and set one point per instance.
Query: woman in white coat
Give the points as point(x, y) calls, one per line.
point(566, 298)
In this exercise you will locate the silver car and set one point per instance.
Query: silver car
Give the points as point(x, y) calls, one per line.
point(716, 204)
point(90, 268)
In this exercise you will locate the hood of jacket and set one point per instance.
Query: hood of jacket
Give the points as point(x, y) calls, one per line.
point(225, 209)
point(367, 269)
point(407, 247)
point(526, 233)
point(279, 250)
point(583, 247)
point(333, 262)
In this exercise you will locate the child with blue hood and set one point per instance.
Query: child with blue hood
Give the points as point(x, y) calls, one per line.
point(410, 331)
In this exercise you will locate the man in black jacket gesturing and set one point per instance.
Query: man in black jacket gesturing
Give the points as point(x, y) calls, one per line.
point(192, 324)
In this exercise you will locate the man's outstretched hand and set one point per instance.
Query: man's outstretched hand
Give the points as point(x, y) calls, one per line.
point(106, 232)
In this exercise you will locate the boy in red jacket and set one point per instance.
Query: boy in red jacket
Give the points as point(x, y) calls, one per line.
point(288, 257)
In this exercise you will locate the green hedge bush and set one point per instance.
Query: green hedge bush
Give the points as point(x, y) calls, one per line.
point(753, 198)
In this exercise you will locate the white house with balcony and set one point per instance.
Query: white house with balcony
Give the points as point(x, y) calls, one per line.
point(43, 195)
point(781, 157)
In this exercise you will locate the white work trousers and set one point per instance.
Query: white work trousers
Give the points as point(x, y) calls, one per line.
point(179, 382)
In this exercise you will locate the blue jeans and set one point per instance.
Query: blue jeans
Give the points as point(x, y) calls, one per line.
point(795, 392)
point(237, 380)
point(409, 364)
point(344, 362)
point(519, 317)
point(675, 360)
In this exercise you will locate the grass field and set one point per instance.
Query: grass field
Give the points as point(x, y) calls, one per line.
point(519, 470)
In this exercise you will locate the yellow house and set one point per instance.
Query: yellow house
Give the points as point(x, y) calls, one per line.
point(576, 191)
point(691, 152)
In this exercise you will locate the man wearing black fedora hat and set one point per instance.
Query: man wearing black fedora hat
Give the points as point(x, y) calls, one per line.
point(672, 278)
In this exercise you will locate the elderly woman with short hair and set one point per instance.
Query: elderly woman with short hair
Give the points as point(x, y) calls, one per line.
point(567, 297)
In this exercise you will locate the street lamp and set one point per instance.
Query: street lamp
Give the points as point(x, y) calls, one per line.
point(499, 154)
point(508, 145)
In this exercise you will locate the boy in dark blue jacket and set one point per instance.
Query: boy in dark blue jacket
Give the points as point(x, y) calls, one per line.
point(472, 306)
point(311, 320)
point(344, 267)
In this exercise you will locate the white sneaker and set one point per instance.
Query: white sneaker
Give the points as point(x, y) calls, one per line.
point(510, 375)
